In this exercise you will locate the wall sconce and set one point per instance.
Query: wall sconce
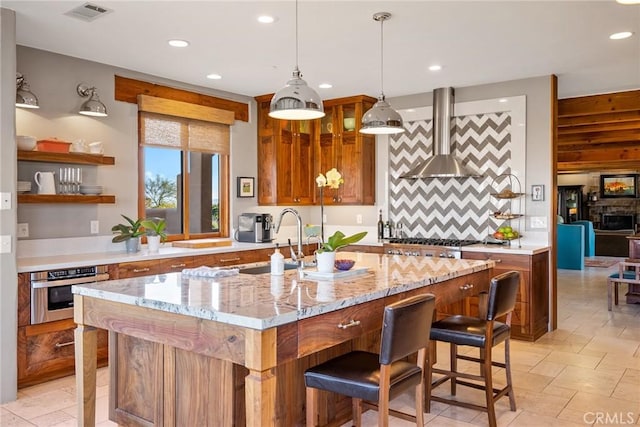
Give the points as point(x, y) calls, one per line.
point(92, 106)
point(24, 97)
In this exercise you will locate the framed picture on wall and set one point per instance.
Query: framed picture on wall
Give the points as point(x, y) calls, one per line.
point(246, 186)
point(618, 185)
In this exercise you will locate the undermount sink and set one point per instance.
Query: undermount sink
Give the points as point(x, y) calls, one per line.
point(265, 268)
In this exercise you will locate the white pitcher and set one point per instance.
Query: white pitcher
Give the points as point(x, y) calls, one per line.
point(45, 182)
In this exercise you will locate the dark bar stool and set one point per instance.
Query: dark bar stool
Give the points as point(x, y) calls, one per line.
point(380, 377)
point(483, 332)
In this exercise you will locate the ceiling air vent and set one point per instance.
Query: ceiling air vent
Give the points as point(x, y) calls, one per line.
point(88, 12)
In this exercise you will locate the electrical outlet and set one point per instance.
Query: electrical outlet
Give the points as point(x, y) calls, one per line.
point(359, 219)
point(324, 218)
point(5, 244)
point(23, 230)
point(5, 201)
point(95, 227)
point(538, 222)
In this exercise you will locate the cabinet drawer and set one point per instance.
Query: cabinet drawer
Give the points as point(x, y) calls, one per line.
point(172, 265)
point(326, 330)
point(47, 351)
point(138, 268)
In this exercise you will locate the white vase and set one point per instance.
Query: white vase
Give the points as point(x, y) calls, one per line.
point(153, 244)
point(326, 261)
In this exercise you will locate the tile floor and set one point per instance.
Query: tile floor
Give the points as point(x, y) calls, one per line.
point(587, 372)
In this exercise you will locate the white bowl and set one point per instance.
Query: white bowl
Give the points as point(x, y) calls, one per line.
point(26, 143)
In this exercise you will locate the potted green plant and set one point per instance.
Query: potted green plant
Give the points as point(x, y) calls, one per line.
point(129, 233)
point(326, 255)
point(154, 228)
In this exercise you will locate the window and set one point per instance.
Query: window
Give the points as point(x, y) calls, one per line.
point(184, 165)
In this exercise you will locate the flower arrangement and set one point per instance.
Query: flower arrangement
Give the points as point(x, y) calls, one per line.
point(332, 179)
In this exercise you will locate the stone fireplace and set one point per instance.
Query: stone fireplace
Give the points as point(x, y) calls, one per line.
point(614, 214)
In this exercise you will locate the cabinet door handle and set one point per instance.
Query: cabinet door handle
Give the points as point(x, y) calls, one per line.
point(351, 324)
point(140, 270)
point(178, 265)
point(229, 259)
point(466, 287)
point(64, 344)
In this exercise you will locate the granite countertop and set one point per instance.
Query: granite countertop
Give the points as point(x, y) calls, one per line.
point(263, 301)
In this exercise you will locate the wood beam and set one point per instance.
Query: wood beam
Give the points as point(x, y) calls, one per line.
point(597, 166)
point(596, 104)
point(600, 137)
point(603, 118)
point(600, 127)
point(623, 154)
point(127, 90)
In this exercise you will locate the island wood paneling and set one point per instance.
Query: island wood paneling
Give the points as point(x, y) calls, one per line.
point(127, 90)
point(599, 132)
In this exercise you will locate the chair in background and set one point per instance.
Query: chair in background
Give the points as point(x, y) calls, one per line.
point(628, 272)
point(570, 246)
point(482, 332)
point(380, 377)
point(589, 237)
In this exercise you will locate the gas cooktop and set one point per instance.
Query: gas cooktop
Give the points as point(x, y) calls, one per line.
point(428, 241)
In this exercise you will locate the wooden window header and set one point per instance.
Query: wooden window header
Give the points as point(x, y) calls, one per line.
point(169, 107)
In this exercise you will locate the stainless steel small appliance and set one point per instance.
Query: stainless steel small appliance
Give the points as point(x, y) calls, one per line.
point(51, 297)
point(254, 228)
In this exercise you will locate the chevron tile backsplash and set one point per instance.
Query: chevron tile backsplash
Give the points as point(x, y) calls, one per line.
point(451, 207)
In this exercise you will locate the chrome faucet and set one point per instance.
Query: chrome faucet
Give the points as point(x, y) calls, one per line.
point(299, 256)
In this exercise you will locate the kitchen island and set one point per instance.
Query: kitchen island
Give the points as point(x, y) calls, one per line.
point(190, 350)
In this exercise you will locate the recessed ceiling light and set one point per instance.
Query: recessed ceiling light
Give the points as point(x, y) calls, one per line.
point(502, 100)
point(621, 35)
point(435, 67)
point(214, 76)
point(266, 19)
point(325, 85)
point(178, 43)
point(628, 1)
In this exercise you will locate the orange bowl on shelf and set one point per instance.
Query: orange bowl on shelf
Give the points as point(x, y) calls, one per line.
point(53, 146)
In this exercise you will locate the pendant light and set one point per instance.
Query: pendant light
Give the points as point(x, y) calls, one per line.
point(381, 118)
point(24, 97)
point(296, 101)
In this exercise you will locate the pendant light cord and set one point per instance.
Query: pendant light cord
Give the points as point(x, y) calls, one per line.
point(297, 35)
point(382, 57)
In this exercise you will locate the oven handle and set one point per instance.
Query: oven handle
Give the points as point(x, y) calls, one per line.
point(74, 281)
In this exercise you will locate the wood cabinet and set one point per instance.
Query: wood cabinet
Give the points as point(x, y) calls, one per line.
point(46, 350)
point(341, 146)
point(530, 319)
point(66, 158)
point(292, 153)
point(285, 159)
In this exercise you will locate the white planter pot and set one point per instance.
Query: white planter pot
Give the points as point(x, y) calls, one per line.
point(153, 244)
point(326, 261)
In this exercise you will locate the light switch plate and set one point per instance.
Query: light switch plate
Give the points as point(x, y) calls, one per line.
point(538, 222)
point(95, 227)
point(23, 230)
point(5, 244)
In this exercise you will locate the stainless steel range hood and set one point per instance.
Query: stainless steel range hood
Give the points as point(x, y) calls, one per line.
point(442, 164)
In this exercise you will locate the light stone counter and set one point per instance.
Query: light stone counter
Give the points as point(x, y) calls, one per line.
point(506, 249)
point(90, 257)
point(263, 301)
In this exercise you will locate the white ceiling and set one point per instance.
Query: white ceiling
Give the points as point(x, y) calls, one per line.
point(476, 42)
